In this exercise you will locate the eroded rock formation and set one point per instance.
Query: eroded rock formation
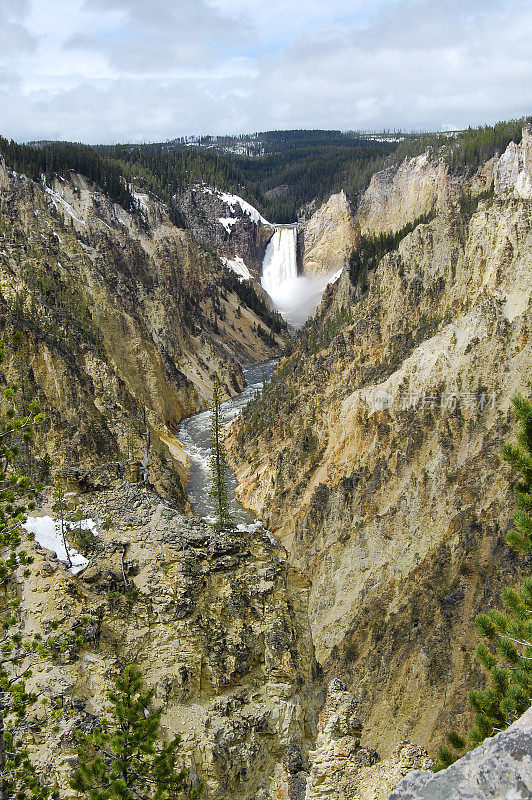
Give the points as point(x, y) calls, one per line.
point(501, 768)
point(327, 239)
point(373, 456)
point(341, 768)
point(227, 225)
point(125, 319)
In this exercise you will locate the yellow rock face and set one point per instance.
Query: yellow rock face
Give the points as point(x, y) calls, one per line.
point(328, 237)
point(397, 196)
point(380, 468)
point(119, 319)
point(216, 622)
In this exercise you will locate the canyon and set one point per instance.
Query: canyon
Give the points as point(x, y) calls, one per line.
point(322, 651)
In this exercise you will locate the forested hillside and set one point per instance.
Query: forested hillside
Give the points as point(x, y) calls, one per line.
point(60, 158)
point(292, 168)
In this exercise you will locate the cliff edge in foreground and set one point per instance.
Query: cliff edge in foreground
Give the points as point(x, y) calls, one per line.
point(500, 769)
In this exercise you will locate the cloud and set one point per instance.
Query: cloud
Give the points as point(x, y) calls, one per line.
point(14, 35)
point(423, 65)
point(125, 70)
point(159, 36)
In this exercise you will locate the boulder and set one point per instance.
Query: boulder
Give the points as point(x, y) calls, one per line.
point(499, 769)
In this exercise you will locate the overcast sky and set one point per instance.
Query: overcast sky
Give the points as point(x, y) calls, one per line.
point(151, 70)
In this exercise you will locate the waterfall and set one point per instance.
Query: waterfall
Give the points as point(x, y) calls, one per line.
point(279, 268)
point(295, 296)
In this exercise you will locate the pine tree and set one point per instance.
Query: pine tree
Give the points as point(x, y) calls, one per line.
point(508, 661)
point(60, 508)
point(19, 717)
point(122, 759)
point(218, 460)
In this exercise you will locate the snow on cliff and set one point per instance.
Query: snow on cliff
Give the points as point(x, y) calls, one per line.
point(233, 200)
point(228, 222)
point(47, 532)
point(237, 265)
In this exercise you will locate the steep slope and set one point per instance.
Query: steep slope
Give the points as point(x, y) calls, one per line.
point(125, 320)
point(373, 453)
point(328, 237)
point(216, 622)
point(500, 768)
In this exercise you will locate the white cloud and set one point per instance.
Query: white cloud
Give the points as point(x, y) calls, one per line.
point(159, 36)
point(14, 35)
point(109, 70)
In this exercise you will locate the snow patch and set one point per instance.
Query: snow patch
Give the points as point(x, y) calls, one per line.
point(228, 222)
point(56, 198)
point(237, 265)
point(141, 200)
point(247, 208)
point(233, 200)
point(47, 532)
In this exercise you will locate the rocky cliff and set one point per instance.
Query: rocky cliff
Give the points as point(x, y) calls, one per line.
point(499, 769)
point(125, 319)
point(326, 240)
point(373, 454)
point(228, 225)
point(341, 767)
point(217, 623)
point(398, 195)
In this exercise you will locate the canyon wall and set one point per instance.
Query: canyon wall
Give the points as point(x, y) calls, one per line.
point(125, 318)
point(216, 622)
point(228, 225)
point(328, 237)
point(374, 453)
point(398, 195)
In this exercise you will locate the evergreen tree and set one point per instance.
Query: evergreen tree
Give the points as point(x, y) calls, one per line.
point(60, 508)
point(121, 759)
point(508, 661)
point(218, 460)
point(19, 717)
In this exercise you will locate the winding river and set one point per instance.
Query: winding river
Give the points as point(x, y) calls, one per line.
point(194, 434)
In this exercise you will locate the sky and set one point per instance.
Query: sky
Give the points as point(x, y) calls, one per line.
point(151, 70)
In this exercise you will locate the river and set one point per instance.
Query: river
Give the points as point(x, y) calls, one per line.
point(194, 435)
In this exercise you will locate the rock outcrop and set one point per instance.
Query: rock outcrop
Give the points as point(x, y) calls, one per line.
point(514, 169)
point(499, 769)
point(337, 750)
point(325, 242)
point(374, 455)
point(228, 225)
point(216, 622)
point(341, 768)
point(399, 195)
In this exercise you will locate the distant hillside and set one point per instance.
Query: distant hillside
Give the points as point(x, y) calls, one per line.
point(279, 172)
